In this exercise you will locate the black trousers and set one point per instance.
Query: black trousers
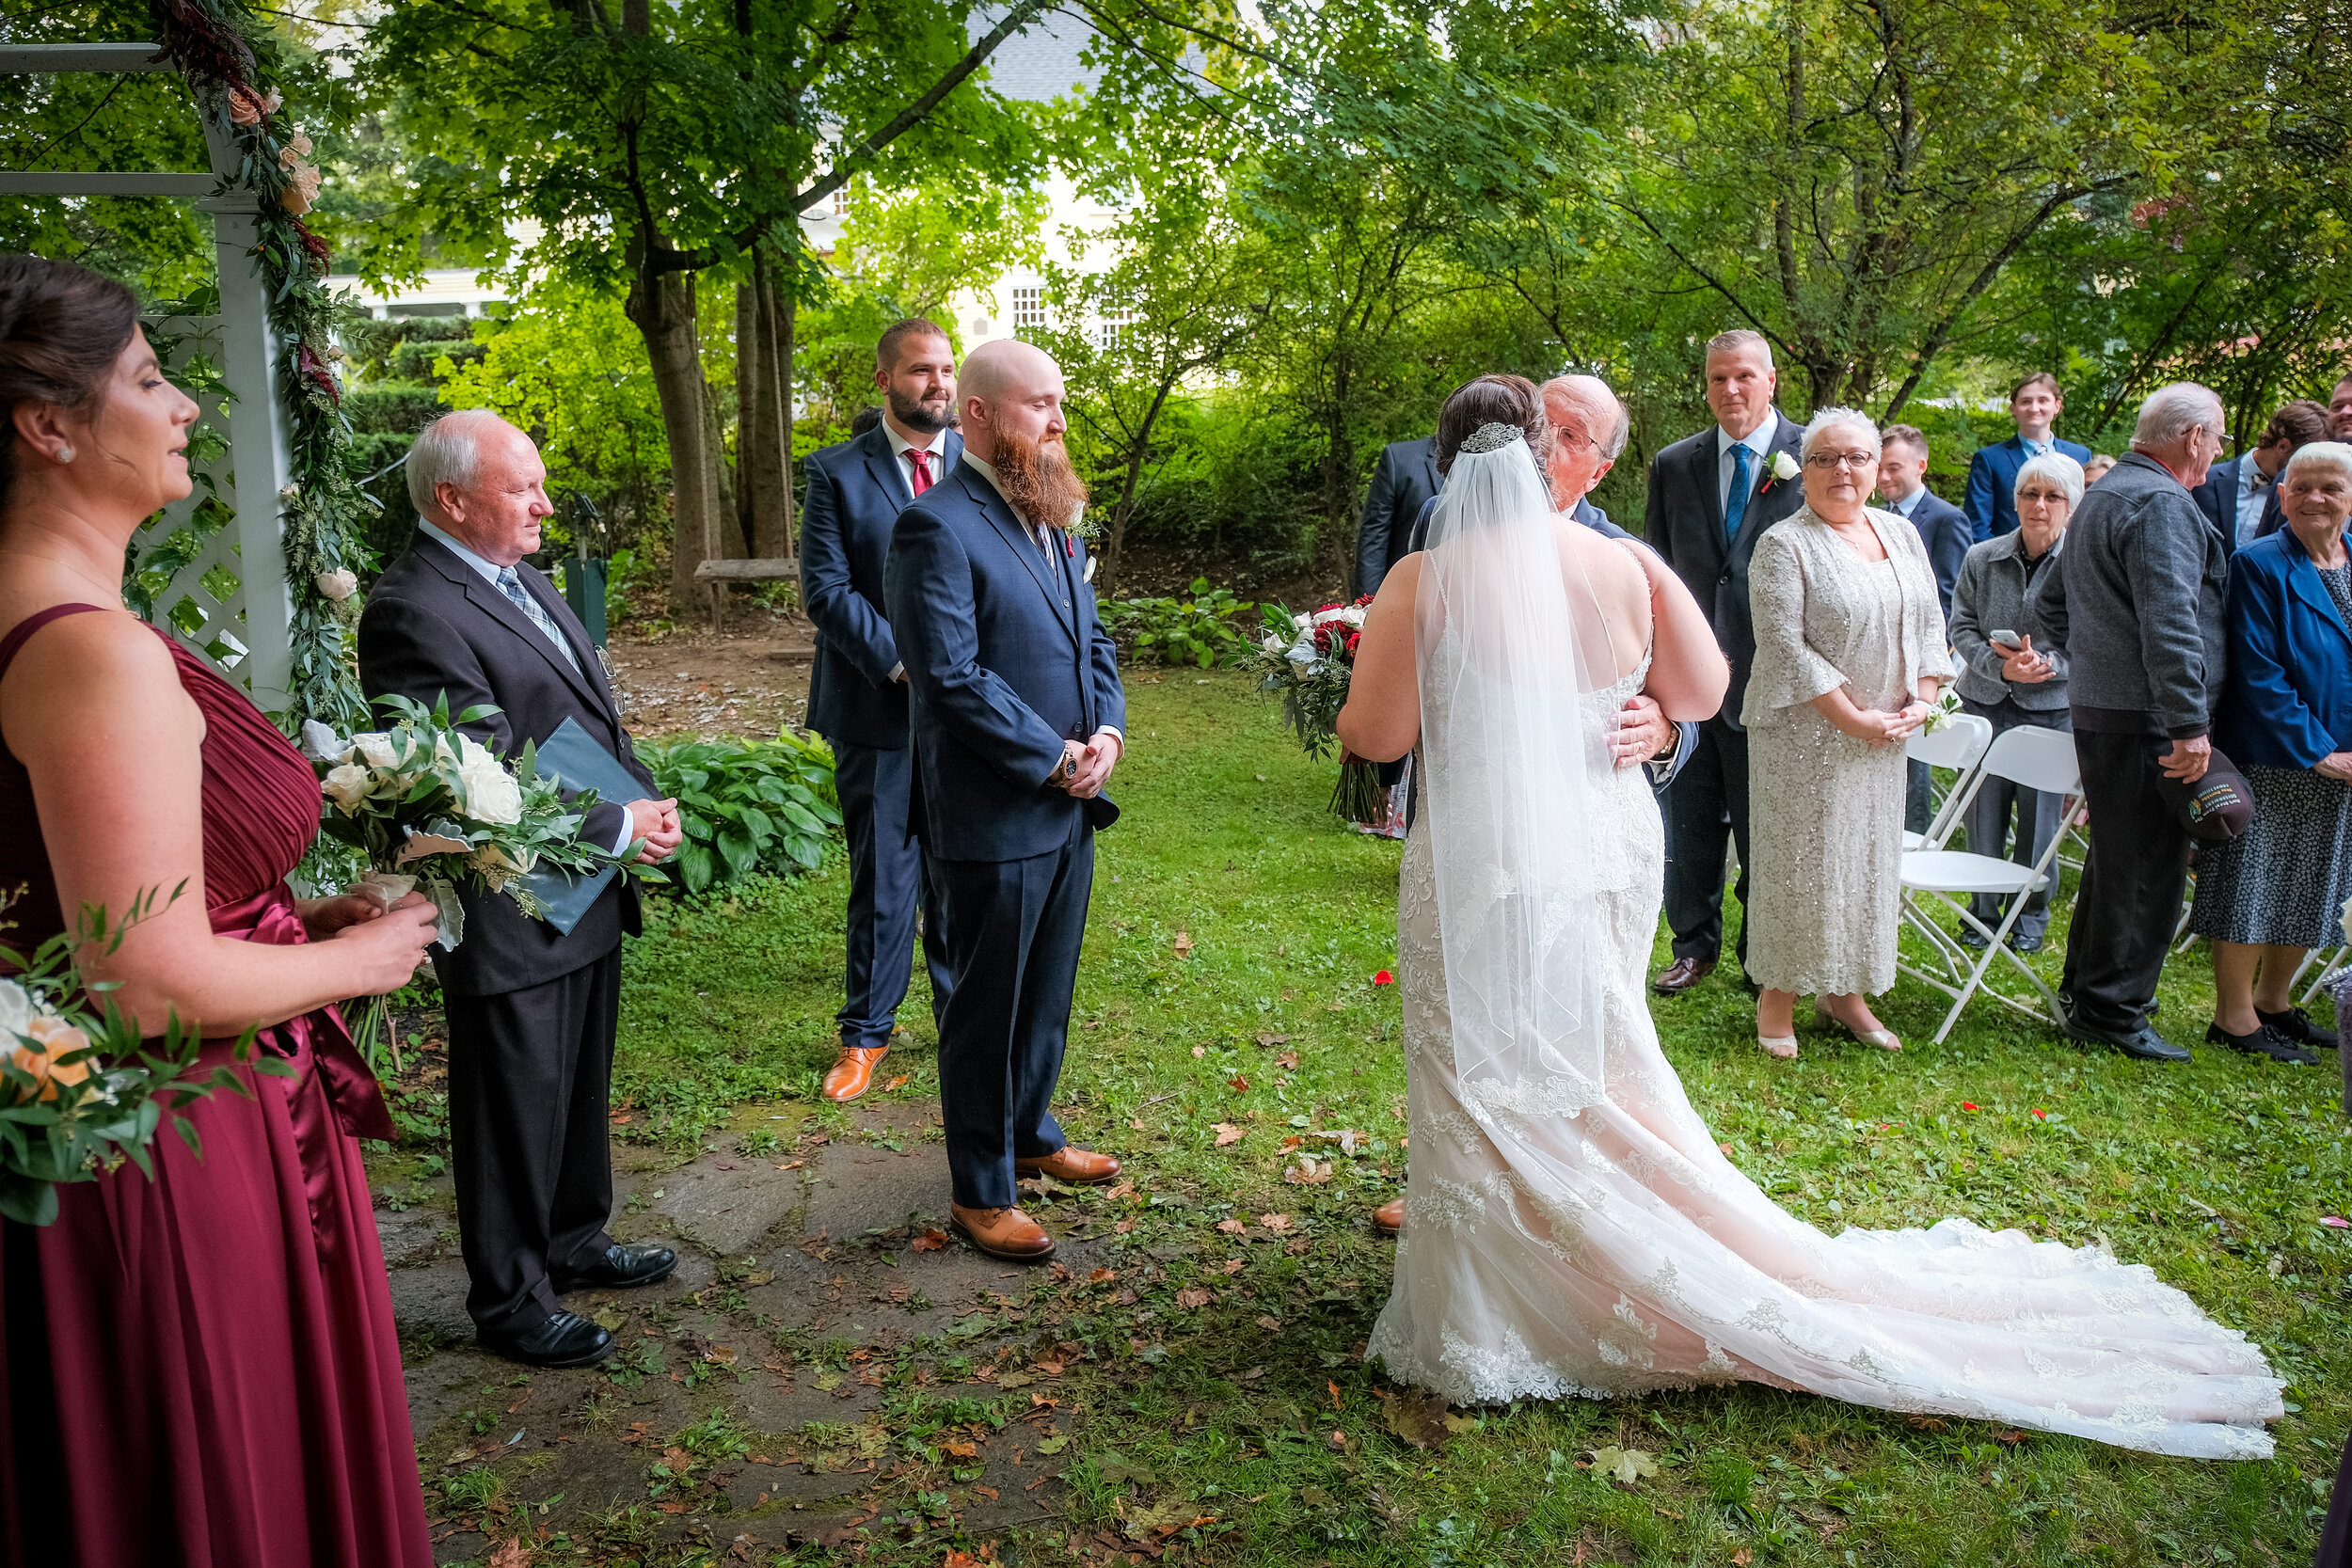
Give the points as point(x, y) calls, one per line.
point(1707, 803)
point(530, 1089)
point(1918, 796)
point(2129, 900)
point(1013, 932)
point(888, 883)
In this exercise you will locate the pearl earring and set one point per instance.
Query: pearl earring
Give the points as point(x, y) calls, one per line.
point(65, 454)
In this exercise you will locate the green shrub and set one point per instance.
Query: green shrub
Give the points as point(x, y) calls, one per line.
point(747, 805)
point(1197, 631)
point(394, 408)
point(413, 361)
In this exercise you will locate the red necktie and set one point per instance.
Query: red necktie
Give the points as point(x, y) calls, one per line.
point(922, 461)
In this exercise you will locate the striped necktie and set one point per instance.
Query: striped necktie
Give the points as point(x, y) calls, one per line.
point(511, 584)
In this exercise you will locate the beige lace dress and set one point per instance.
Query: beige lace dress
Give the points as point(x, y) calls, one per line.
point(1825, 811)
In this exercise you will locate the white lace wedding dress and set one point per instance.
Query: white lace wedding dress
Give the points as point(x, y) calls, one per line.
point(1572, 1228)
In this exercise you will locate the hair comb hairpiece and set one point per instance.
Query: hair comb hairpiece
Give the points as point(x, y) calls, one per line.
point(1493, 438)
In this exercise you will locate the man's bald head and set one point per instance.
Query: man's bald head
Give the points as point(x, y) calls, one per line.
point(481, 481)
point(1588, 430)
point(1010, 390)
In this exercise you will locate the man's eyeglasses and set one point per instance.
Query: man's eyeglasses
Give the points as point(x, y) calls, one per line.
point(1860, 462)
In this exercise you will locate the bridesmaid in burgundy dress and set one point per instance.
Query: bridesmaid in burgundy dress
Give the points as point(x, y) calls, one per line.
point(198, 1370)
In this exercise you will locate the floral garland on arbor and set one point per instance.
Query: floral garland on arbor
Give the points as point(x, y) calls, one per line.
point(230, 62)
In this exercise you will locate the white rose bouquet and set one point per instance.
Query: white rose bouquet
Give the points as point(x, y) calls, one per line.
point(1309, 659)
point(82, 1092)
point(431, 807)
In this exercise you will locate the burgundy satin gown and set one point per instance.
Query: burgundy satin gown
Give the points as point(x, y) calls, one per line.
point(203, 1370)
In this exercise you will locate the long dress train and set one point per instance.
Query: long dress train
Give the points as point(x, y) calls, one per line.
point(1567, 1236)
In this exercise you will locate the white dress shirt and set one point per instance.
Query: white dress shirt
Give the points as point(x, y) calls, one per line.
point(901, 446)
point(2253, 493)
point(1759, 444)
point(1906, 503)
point(1044, 538)
point(489, 571)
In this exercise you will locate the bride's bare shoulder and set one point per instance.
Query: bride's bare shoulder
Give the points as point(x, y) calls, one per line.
point(1607, 565)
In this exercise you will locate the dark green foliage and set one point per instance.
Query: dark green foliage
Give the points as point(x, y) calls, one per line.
point(1198, 629)
point(396, 408)
point(747, 805)
point(414, 360)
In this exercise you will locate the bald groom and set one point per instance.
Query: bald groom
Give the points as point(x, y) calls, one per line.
point(1016, 715)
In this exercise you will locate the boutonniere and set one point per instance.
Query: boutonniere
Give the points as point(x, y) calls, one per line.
point(1782, 466)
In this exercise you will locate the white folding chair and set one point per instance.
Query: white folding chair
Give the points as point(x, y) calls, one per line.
point(2335, 961)
point(2038, 759)
point(1959, 746)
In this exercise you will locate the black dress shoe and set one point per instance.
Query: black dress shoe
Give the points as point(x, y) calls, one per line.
point(2147, 1045)
point(624, 1266)
point(1972, 939)
point(2263, 1042)
point(2296, 1025)
point(565, 1340)
point(2024, 941)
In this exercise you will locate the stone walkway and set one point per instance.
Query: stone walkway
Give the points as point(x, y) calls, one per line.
point(772, 1391)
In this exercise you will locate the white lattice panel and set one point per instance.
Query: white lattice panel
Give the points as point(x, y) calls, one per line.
point(190, 568)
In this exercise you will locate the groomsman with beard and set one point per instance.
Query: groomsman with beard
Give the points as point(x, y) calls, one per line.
point(857, 692)
point(1711, 496)
point(1017, 716)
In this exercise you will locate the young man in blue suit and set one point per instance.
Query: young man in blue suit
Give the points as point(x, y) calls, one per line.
point(2241, 495)
point(1992, 501)
point(1017, 716)
point(857, 693)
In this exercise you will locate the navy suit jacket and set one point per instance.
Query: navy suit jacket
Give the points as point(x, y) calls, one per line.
point(2288, 700)
point(435, 625)
point(1006, 660)
point(1944, 528)
point(1661, 772)
point(855, 493)
point(1992, 499)
point(1402, 484)
point(2217, 500)
point(1683, 521)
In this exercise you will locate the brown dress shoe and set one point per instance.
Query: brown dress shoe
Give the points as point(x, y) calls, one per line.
point(1389, 1216)
point(1006, 1233)
point(1681, 975)
point(1080, 1168)
point(853, 1074)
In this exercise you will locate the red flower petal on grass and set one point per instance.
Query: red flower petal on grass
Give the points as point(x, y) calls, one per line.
point(2041, 1115)
point(1384, 978)
point(2335, 1222)
point(1965, 1106)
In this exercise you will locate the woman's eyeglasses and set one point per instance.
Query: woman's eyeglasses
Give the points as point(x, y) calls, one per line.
point(1860, 462)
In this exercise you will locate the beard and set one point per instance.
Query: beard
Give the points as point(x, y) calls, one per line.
point(1038, 480)
point(929, 416)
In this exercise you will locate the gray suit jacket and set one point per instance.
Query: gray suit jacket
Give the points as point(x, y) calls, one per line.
point(2136, 606)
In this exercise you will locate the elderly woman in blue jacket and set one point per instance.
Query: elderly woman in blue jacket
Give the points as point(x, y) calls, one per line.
point(2286, 717)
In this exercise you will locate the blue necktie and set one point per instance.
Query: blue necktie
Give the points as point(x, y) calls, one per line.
point(511, 584)
point(1736, 508)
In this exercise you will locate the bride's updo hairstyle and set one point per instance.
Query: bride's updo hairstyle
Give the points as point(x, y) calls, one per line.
point(62, 327)
point(1490, 400)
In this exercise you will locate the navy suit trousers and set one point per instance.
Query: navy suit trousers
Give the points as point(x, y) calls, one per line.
point(887, 884)
point(1013, 932)
point(1707, 803)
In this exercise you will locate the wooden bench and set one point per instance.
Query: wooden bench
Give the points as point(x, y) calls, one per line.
point(782, 568)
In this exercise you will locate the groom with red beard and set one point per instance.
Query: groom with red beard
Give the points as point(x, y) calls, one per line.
point(1016, 715)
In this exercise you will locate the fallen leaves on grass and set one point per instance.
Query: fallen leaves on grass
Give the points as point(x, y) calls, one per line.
point(1194, 1299)
point(1308, 1173)
point(513, 1554)
point(1288, 1061)
point(897, 1082)
point(931, 1240)
point(1270, 1325)
point(1183, 944)
point(1270, 1041)
point(1238, 1084)
point(1233, 1227)
point(1227, 1133)
point(1276, 1223)
point(1625, 1466)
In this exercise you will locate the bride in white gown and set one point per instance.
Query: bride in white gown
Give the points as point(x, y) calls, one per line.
point(1572, 1226)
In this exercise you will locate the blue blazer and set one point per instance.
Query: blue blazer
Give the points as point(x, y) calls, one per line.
point(1006, 660)
point(1991, 499)
point(1944, 528)
point(855, 493)
point(2288, 702)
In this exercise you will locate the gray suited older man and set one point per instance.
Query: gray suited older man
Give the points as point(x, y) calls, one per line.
point(2133, 616)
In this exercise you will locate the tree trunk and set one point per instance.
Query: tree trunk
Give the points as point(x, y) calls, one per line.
point(662, 309)
point(749, 340)
point(783, 311)
point(1137, 448)
point(764, 441)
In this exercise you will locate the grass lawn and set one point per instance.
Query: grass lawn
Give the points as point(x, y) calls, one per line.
point(1227, 1018)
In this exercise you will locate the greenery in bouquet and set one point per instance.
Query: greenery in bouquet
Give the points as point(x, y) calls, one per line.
point(82, 1092)
point(1309, 659)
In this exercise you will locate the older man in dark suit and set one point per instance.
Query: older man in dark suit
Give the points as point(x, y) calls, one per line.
point(857, 695)
point(1402, 484)
point(1711, 496)
point(531, 1010)
point(1017, 716)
